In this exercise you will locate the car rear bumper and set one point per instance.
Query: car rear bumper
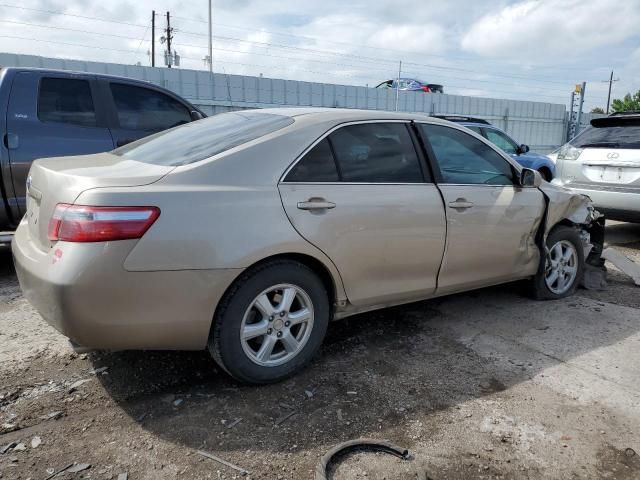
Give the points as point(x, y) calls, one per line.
point(615, 204)
point(83, 291)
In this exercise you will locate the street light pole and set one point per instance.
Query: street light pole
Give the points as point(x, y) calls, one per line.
point(609, 95)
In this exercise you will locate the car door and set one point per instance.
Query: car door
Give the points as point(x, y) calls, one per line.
point(491, 220)
point(141, 111)
point(51, 115)
point(363, 196)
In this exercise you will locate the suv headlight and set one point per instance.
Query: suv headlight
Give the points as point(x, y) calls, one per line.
point(569, 152)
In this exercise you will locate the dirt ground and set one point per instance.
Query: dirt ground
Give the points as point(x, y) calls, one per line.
point(487, 384)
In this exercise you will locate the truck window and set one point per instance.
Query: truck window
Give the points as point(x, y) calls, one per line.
point(144, 109)
point(66, 100)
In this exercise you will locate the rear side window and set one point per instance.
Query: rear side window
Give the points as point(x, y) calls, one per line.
point(144, 109)
point(205, 138)
point(318, 165)
point(376, 153)
point(66, 100)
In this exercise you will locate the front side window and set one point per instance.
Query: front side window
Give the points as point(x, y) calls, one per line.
point(463, 159)
point(66, 100)
point(501, 141)
point(318, 165)
point(376, 153)
point(144, 109)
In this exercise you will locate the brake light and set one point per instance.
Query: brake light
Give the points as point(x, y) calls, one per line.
point(425, 88)
point(83, 223)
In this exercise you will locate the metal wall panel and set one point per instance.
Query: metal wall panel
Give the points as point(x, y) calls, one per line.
point(540, 125)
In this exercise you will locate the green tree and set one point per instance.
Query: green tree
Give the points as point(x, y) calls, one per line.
point(628, 103)
point(597, 110)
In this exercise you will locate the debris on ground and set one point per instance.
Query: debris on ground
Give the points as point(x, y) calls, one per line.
point(594, 277)
point(36, 442)
point(623, 262)
point(309, 393)
point(629, 452)
point(55, 473)
point(74, 386)
point(284, 417)
point(234, 423)
point(20, 447)
point(7, 447)
point(97, 371)
point(176, 403)
point(79, 467)
point(123, 476)
point(223, 462)
point(357, 445)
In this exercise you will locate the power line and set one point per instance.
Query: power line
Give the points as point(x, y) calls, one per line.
point(53, 12)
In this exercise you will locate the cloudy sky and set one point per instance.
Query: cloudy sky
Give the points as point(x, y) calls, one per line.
point(527, 50)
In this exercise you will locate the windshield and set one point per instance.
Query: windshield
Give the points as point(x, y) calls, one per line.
point(609, 137)
point(196, 141)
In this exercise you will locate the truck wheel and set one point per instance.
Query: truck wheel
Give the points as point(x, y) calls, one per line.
point(560, 272)
point(271, 323)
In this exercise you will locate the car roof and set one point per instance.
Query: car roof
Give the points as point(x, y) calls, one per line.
point(347, 114)
point(77, 72)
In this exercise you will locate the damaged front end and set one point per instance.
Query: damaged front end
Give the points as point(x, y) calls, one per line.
point(565, 207)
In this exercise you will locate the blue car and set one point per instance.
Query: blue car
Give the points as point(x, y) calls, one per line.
point(520, 153)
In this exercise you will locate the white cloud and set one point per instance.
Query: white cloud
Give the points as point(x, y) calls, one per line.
point(539, 30)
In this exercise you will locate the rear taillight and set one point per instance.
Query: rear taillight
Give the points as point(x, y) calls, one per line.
point(83, 223)
point(425, 88)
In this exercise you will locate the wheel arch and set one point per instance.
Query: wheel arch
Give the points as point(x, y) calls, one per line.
point(332, 283)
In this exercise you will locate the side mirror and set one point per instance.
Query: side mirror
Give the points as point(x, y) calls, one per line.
point(195, 115)
point(530, 178)
point(523, 149)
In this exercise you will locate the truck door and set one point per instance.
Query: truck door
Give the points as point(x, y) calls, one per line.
point(51, 115)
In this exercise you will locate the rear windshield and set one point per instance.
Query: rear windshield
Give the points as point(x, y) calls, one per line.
point(196, 141)
point(609, 137)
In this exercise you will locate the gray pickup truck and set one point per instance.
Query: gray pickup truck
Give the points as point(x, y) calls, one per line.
point(53, 113)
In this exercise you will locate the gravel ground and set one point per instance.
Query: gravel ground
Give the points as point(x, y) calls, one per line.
point(487, 384)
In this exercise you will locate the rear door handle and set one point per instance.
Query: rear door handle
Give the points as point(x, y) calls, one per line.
point(316, 204)
point(460, 204)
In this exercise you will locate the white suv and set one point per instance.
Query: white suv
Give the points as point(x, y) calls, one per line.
point(603, 162)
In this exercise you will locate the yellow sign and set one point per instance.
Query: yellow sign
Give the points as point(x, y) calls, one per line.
point(578, 88)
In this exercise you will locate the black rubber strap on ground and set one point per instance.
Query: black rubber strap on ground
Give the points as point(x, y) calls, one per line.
point(357, 445)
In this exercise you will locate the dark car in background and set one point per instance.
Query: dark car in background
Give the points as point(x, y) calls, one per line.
point(519, 152)
point(55, 113)
point(412, 85)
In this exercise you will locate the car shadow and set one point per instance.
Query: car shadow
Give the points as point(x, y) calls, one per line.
point(375, 371)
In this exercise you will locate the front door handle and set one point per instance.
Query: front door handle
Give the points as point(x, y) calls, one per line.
point(316, 204)
point(460, 204)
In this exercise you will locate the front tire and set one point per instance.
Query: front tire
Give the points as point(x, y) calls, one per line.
point(271, 322)
point(561, 271)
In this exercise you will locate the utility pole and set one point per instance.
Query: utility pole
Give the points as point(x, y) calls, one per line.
point(611, 80)
point(153, 38)
point(398, 84)
point(169, 37)
point(210, 37)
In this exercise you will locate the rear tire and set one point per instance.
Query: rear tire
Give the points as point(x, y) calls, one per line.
point(271, 322)
point(560, 273)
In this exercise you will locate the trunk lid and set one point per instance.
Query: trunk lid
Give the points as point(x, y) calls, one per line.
point(61, 180)
point(611, 166)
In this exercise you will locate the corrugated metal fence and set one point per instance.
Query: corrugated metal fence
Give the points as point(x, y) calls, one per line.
point(540, 125)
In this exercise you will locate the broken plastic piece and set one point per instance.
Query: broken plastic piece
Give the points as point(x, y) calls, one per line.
point(623, 262)
point(357, 445)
